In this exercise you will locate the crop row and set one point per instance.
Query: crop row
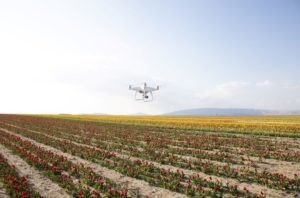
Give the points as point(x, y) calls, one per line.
point(273, 180)
point(287, 126)
point(243, 174)
point(253, 147)
point(140, 131)
point(267, 125)
point(175, 181)
point(127, 147)
point(154, 145)
point(62, 171)
point(168, 154)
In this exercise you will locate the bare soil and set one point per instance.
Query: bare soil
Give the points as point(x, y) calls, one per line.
point(2, 191)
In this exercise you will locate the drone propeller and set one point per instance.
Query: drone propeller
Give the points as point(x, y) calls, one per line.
point(160, 86)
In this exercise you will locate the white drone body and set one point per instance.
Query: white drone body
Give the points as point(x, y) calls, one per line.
point(141, 93)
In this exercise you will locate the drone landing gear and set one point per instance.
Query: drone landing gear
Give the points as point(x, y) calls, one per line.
point(144, 97)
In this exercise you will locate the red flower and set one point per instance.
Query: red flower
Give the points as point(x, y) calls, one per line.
point(24, 194)
point(52, 167)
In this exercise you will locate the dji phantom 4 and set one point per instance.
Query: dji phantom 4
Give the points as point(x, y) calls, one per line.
point(144, 90)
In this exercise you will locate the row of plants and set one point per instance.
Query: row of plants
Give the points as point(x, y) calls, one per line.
point(249, 175)
point(265, 125)
point(277, 181)
point(93, 127)
point(125, 147)
point(119, 139)
point(225, 153)
point(282, 126)
point(60, 170)
point(263, 149)
point(175, 181)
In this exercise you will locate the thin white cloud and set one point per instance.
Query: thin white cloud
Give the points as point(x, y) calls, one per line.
point(249, 95)
point(224, 90)
point(292, 87)
point(264, 83)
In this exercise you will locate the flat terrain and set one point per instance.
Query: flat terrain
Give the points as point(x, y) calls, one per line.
point(267, 125)
point(151, 156)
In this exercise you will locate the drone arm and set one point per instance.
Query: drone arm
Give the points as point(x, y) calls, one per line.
point(134, 88)
point(148, 89)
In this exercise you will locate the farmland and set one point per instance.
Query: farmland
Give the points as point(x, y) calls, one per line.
point(149, 156)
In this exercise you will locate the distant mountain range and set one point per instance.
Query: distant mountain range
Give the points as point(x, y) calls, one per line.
point(230, 111)
point(215, 112)
point(138, 114)
point(93, 114)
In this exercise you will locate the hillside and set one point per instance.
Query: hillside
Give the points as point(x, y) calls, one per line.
point(231, 112)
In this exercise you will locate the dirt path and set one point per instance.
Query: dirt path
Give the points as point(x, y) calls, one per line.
point(287, 140)
point(136, 186)
point(39, 183)
point(2, 191)
point(144, 187)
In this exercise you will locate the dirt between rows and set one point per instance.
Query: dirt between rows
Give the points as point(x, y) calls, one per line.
point(39, 183)
point(287, 140)
point(144, 186)
point(2, 191)
point(136, 186)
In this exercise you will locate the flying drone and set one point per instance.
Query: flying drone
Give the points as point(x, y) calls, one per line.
point(141, 93)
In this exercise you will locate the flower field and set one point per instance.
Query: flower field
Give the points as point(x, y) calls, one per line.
point(124, 156)
point(271, 125)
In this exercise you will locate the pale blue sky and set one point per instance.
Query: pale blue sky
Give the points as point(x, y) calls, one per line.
point(80, 56)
